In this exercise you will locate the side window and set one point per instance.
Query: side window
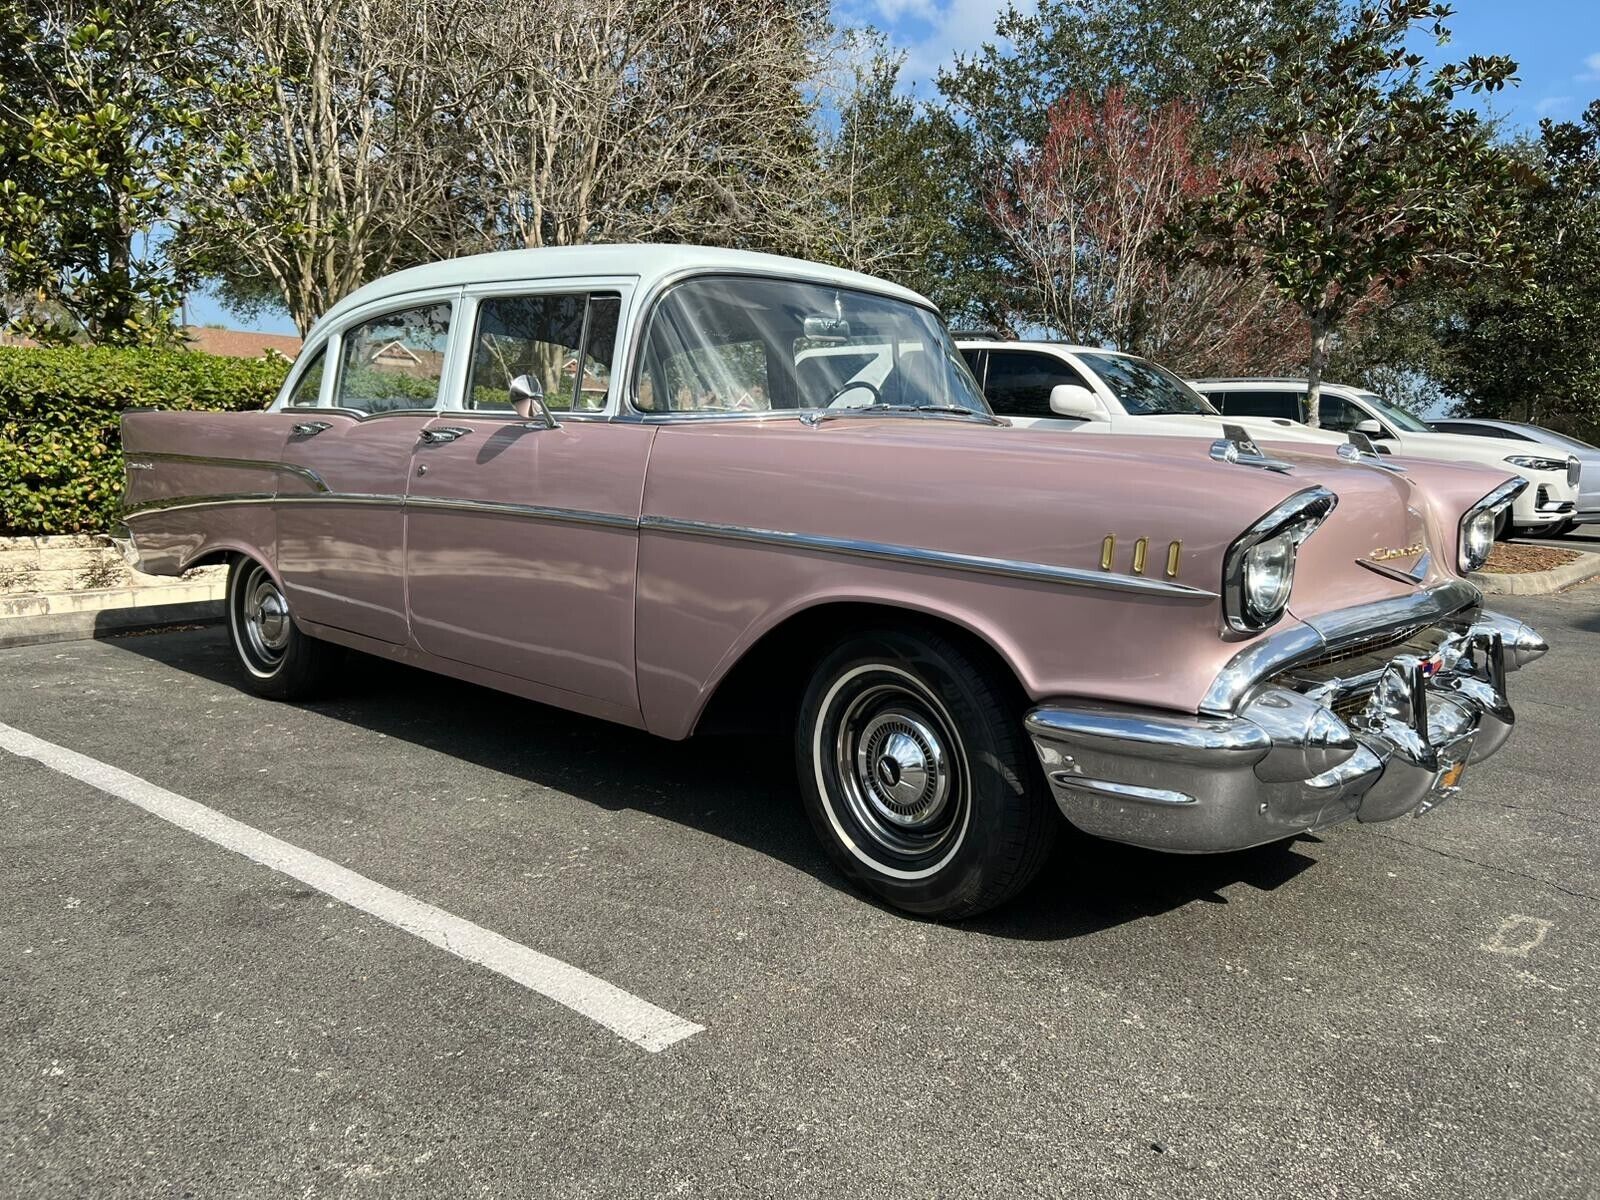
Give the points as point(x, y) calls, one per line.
point(562, 342)
point(1257, 404)
point(309, 385)
point(393, 362)
point(974, 360)
point(1339, 414)
point(1019, 382)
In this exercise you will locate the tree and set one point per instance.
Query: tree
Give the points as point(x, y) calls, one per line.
point(1530, 348)
point(351, 148)
point(1083, 217)
point(113, 118)
point(1381, 177)
point(609, 120)
point(896, 178)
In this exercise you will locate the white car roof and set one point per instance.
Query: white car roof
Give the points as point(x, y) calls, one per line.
point(1260, 384)
point(649, 264)
point(971, 343)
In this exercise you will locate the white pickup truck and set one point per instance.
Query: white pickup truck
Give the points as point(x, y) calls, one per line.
point(1548, 504)
point(1089, 390)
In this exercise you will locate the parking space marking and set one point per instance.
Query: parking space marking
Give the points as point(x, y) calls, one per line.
point(625, 1014)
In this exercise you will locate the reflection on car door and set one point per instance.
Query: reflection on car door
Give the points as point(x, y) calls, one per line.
point(341, 538)
point(522, 539)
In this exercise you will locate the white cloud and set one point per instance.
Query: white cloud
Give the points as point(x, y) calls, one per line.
point(929, 32)
point(1552, 104)
point(1593, 73)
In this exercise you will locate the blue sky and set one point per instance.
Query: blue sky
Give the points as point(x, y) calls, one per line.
point(1556, 43)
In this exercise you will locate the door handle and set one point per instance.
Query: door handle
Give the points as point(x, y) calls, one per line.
point(445, 433)
point(310, 428)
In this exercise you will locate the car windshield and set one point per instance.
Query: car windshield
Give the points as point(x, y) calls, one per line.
point(1398, 417)
point(748, 345)
point(1144, 389)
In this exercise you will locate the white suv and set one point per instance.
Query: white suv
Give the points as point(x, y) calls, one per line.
point(1088, 390)
point(1551, 499)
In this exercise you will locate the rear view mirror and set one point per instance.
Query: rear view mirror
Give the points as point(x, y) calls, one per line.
point(527, 400)
point(1075, 400)
point(819, 327)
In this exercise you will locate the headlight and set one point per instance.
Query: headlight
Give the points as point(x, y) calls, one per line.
point(1258, 570)
point(1476, 536)
point(1268, 575)
point(1537, 462)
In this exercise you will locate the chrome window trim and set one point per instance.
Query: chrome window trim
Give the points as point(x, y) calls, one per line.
point(1327, 633)
point(916, 556)
point(472, 299)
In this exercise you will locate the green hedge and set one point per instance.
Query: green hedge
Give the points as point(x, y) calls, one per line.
point(60, 445)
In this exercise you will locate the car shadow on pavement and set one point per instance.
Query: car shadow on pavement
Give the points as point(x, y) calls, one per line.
point(737, 788)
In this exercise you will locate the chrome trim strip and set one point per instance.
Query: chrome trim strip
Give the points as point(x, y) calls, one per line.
point(1164, 797)
point(1329, 632)
point(915, 556)
point(571, 516)
point(1417, 573)
point(538, 512)
point(263, 464)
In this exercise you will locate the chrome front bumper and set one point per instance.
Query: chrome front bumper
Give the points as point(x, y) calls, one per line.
point(1300, 752)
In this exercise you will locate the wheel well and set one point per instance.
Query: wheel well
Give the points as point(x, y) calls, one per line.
point(761, 692)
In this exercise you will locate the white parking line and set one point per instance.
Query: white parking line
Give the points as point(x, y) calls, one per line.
point(625, 1014)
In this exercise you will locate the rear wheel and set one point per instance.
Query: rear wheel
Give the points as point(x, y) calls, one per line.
point(279, 660)
point(917, 775)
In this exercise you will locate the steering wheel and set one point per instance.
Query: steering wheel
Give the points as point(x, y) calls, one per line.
point(877, 396)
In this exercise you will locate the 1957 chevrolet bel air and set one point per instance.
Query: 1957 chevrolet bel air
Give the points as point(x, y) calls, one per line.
point(663, 485)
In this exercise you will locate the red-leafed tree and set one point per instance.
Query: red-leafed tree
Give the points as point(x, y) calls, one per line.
point(1083, 215)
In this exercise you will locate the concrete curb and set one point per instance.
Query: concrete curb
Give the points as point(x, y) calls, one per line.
point(106, 622)
point(1538, 583)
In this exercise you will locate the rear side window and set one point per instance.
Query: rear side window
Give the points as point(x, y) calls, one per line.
point(393, 363)
point(1019, 382)
point(309, 386)
point(1258, 404)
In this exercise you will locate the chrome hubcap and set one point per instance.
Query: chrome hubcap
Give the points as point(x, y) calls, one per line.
point(893, 755)
point(265, 616)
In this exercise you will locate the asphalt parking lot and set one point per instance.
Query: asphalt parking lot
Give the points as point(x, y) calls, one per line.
point(1400, 1010)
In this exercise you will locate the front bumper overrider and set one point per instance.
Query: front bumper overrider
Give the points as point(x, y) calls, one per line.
point(1351, 733)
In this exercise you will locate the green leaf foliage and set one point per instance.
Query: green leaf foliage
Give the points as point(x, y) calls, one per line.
point(60, 417)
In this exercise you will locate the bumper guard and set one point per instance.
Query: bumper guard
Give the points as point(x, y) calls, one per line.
point(1287, 762)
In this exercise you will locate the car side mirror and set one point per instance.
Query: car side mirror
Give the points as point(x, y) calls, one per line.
point(1075, 400)
point(527, 401)
point(1369, 427)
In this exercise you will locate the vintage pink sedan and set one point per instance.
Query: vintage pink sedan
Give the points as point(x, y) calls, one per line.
point(667, 485)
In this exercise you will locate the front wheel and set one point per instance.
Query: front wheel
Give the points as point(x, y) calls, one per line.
point(917, 775)
point(1560, 529)
point(279, 660)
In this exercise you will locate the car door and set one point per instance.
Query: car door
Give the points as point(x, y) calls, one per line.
point(341, 532)
point(1017, 384)
point(522, 537)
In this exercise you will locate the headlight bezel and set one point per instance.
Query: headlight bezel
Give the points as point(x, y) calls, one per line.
point(1537, 462)
point(1296, 518)
point(1490, 506)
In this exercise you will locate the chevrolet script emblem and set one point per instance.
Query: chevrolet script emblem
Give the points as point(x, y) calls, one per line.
point(1384, 553)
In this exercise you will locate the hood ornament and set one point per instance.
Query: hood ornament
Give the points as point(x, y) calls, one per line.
point(1237, 446)
point(1359, 449)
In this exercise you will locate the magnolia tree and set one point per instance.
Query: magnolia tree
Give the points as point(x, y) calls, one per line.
point(112, 118)
point(1379, 177)
point(1083, 217)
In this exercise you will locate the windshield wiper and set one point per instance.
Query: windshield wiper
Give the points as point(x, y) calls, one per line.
point(816, 417)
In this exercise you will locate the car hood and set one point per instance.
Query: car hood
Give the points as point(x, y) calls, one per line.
point(1263, 429)
point(1459, 447)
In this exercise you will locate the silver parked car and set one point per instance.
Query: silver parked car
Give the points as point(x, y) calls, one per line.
point(1521, 431)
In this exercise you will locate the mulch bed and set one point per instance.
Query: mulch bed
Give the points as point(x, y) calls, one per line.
point(1507, 559)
